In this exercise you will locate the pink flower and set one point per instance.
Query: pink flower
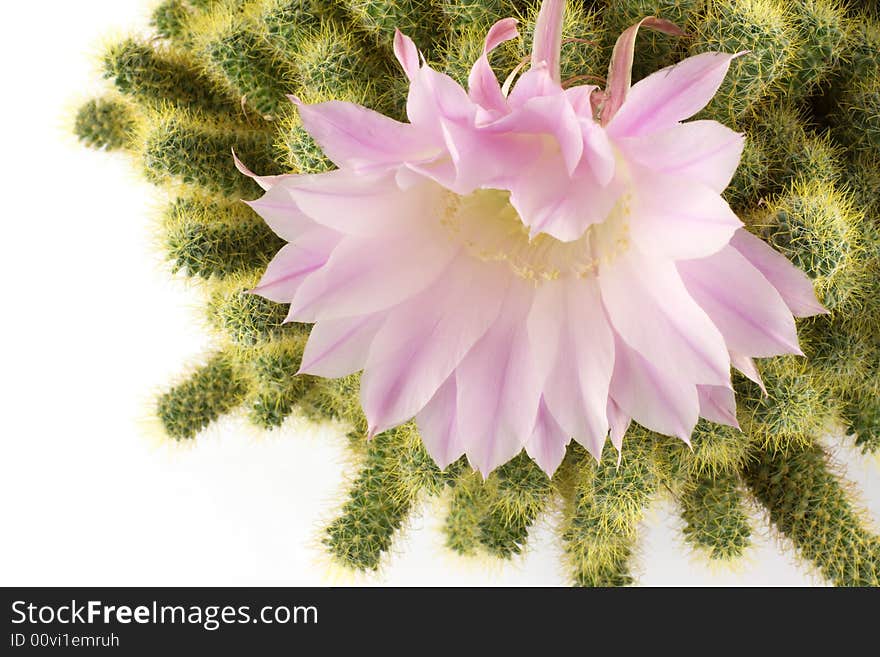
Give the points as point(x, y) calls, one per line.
point(518, 269)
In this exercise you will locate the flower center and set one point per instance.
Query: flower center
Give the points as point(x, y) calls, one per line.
point(490, 229)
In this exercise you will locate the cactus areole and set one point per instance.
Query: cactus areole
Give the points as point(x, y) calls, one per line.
point(524, 264)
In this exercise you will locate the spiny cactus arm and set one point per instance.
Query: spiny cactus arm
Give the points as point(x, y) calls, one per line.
point(762, 27)
point(193, 149)
point(169, 19)
point(604, 508)
point(233, 50)
point(751, 178)
point(713, 509)
point(467, 507)
point(715, 451)
point(211, 390)
point(247, 319)
point(809, 505)
point(514, 495)
point(334, 64)
point(296, 148)
point(857, 122)
point(816, 225)
point(109, 123)
point(338, 399)
point(396, 471)
point(209, 239)
point(797, 403)
point(418, 19)
point(794, 151)
point(821, 27)
point(158, 75)
point(277, 389)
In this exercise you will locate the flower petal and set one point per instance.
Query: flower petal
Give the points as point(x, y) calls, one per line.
point(498, 390)
point(294, 263)
point(438, 426)
point(362, 204)
point(618, 423)
point(655, 398)
point(547, 40)
point(670, 95)
point(550, 115)
point(793, 285)
point(620, 67)
point(339, 347)
point(424, 339)
point(748, 311)
point(365, 275)
point(574, 355)
point(359, 138)
point(652, 310)
point(677, 219)
point(281, 213)
point(548, 441)
point(266, 182)
point(746, 365)
point(704, 151)
point(548, 201)
point(483, 85)
point(407, 54)
point(718, 404)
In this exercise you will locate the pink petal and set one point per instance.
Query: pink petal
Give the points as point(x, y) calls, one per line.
point(703, 151)
point(424, 339)
point(618, 422)
point(718, 404)
point(281, 213)
point(748, 311)
point(534, 83)
point(548, 441)
point(266, 182)
point(362, 204)
point(339, 347)
point(482, 83)
point(746, 365)
point(551, 115)
point(574, 354)
point(407, 54)
point(359, 138)
point(670, 95)
point(620, 67)
point(438, 426)
point(655, 398)
point(365, 275)
point(294, 263)
point(675, 218)
point(650, 308)
point(598, 152)
point(477, 158)
point(435, 98)
point(498, 390)
point(547, 41)
point(548, 201)
point(793, 285)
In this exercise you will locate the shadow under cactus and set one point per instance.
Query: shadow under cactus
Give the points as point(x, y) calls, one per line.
point(215, 77)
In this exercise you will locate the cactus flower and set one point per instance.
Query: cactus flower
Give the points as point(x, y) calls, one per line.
point(523, 264)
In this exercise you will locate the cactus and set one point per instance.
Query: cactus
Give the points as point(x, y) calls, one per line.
point(214, 80)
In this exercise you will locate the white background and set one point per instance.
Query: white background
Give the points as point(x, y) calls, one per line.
point(93, 325)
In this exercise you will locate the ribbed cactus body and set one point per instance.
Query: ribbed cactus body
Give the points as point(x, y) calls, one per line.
point(713, 509)
point(215, 79)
